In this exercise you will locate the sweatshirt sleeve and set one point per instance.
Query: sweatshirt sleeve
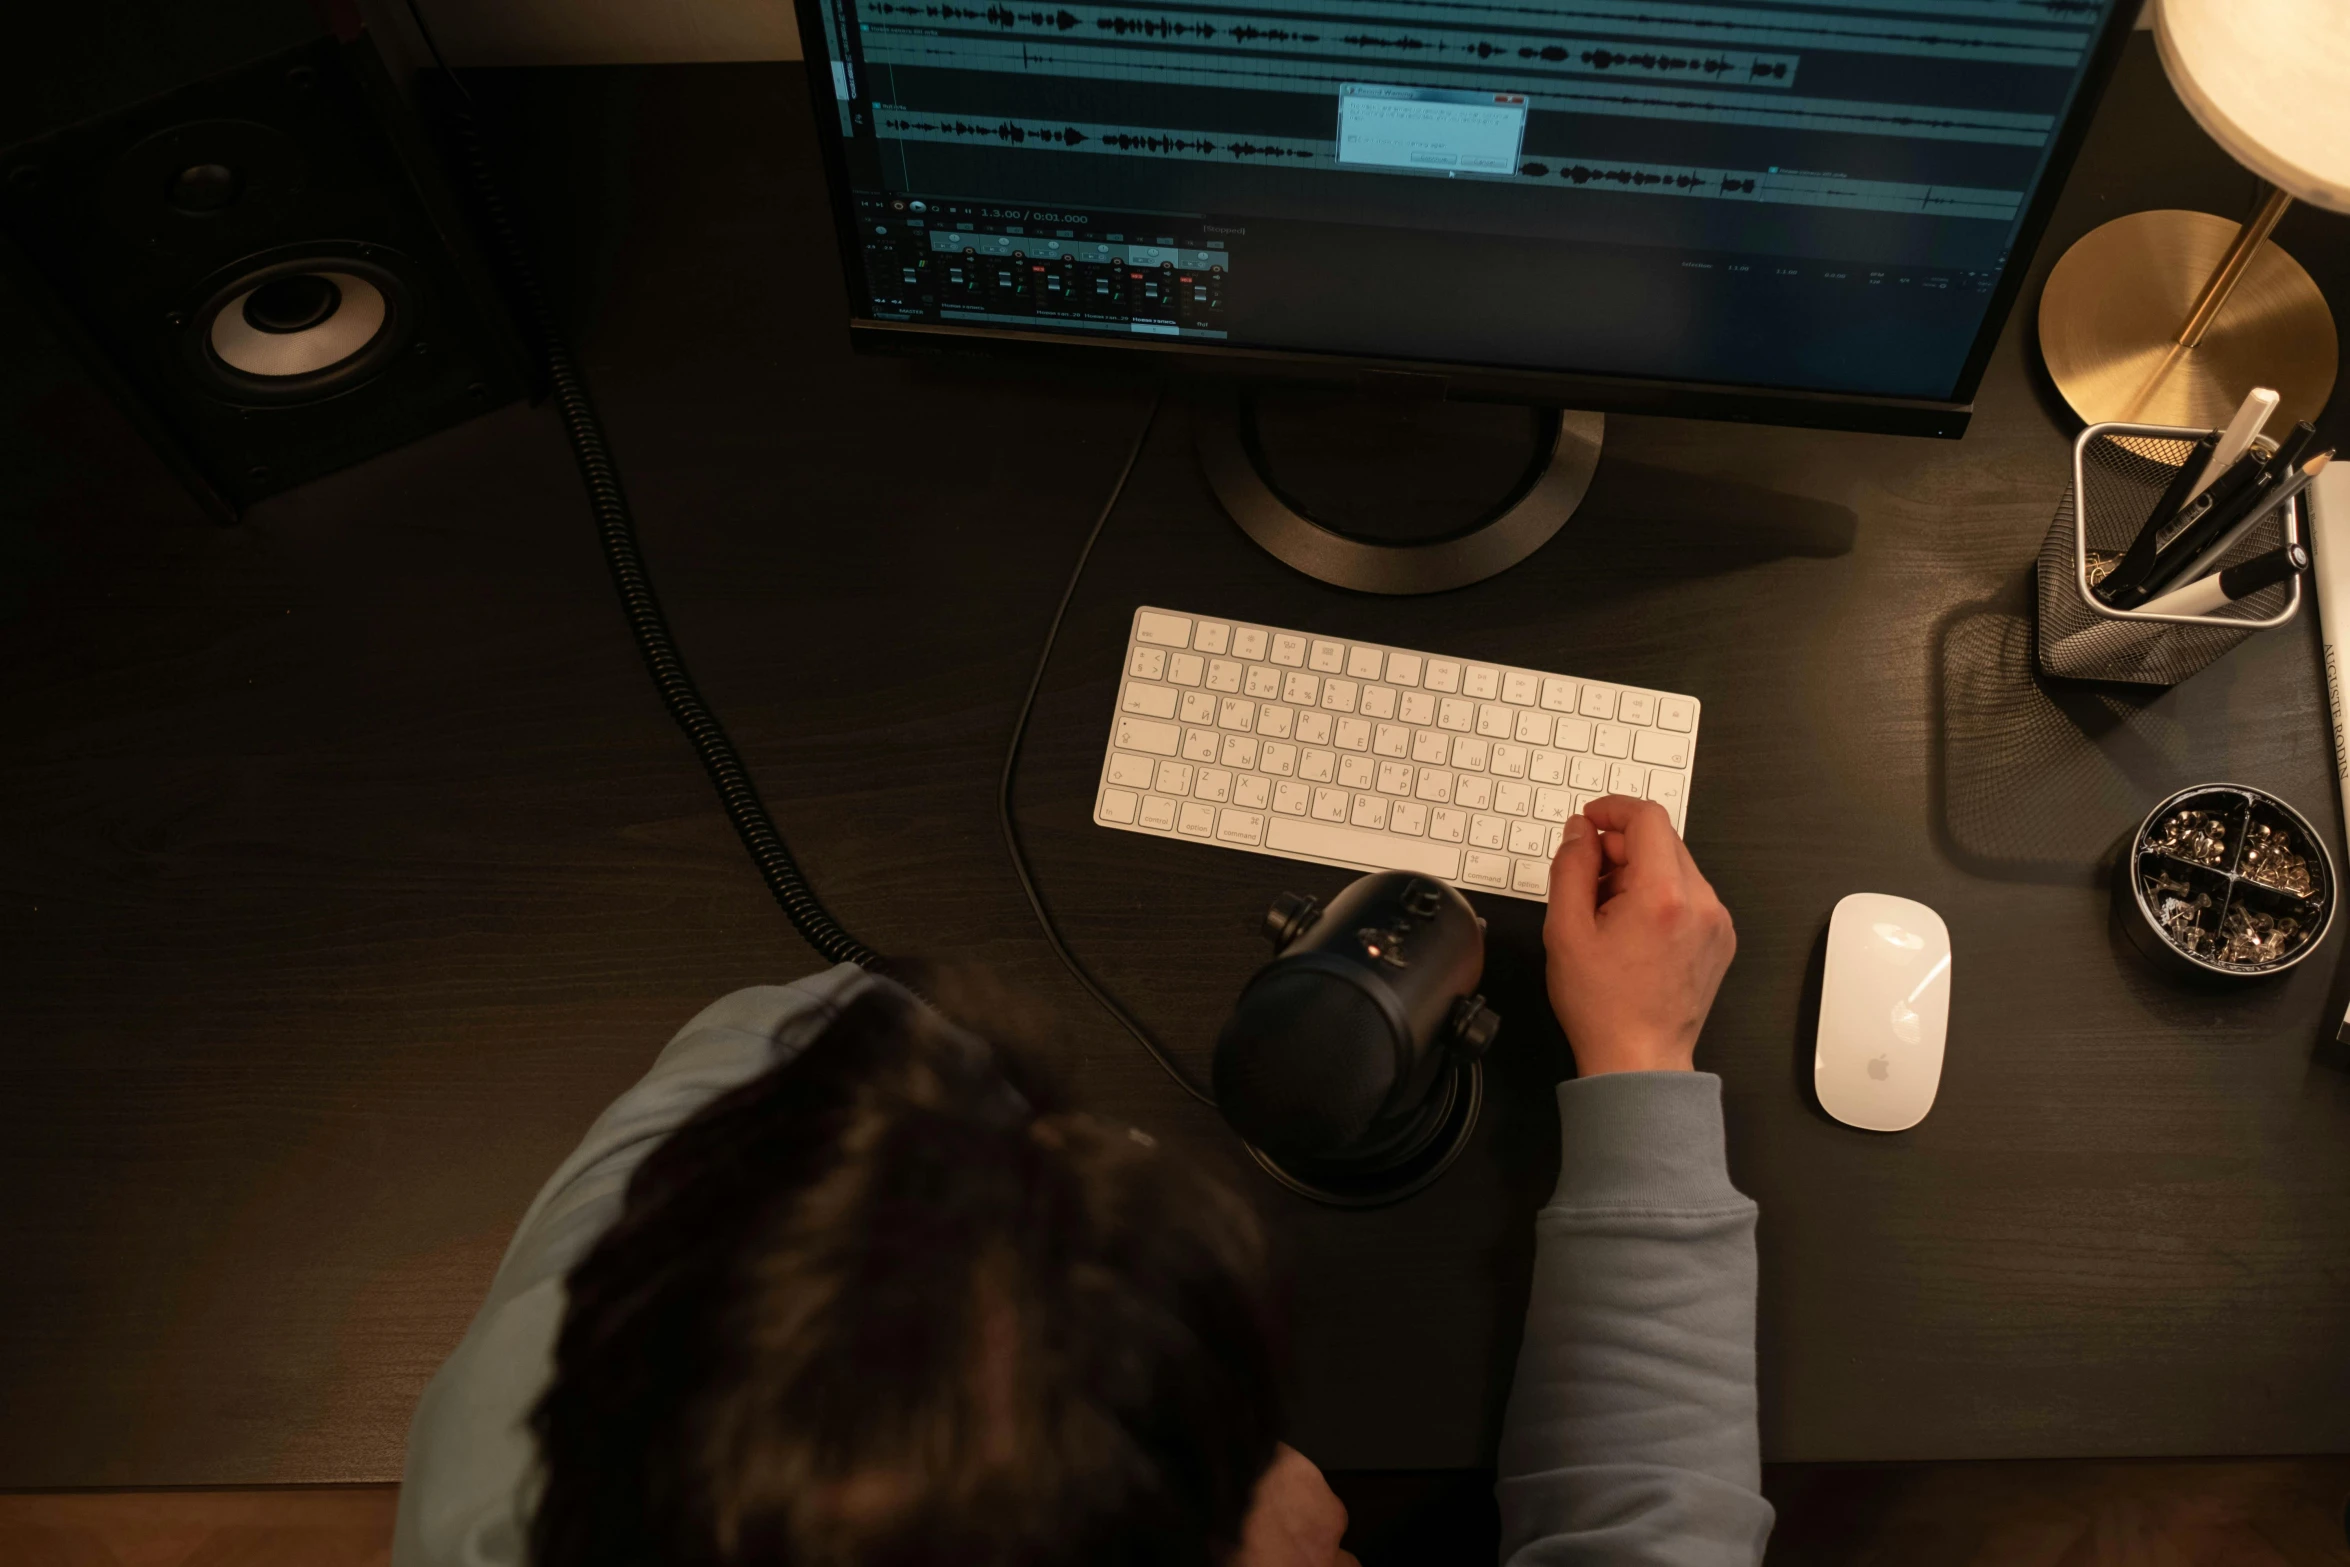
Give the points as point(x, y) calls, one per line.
point(463, 1500)
point(1630, 1439)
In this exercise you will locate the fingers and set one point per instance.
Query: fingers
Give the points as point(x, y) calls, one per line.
point(1574, 877)
point(1651, 849)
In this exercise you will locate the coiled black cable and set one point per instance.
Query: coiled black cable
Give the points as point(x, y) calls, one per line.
point(616, 529)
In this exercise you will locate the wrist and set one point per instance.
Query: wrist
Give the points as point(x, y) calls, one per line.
point(1634, 1054)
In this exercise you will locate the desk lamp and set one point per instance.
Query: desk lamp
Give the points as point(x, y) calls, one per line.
point(2170, 317)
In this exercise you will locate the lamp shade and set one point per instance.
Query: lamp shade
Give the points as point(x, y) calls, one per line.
point(2269, 80)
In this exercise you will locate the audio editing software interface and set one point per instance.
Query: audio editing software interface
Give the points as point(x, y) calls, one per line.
point(1767, 193)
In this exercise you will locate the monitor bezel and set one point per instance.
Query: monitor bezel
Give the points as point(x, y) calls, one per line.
point(1935, 417)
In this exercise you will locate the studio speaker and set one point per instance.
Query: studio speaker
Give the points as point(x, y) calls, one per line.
point(230, 210)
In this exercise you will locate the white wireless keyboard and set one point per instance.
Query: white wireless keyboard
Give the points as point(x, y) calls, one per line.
point(1372, 757)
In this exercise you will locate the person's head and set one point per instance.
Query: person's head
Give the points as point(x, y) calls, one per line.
point(893, 1303)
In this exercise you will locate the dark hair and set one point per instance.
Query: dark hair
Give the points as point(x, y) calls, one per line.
point(888, 1303)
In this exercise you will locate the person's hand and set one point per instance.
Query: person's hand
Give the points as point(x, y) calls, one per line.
point(1295, 1520)
point(1635, 942)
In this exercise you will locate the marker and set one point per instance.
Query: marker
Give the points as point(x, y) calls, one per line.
point(2139, 558)
point(2223, 588)
point(2234, 441)
point(2200, 521)
point(2290, 454)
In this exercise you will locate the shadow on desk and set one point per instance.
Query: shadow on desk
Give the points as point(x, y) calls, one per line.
point(1703, 525)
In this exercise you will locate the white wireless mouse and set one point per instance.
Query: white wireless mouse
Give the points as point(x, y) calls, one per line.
point(1884, 1008)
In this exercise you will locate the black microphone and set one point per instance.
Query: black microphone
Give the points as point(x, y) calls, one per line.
point(1350, 1062)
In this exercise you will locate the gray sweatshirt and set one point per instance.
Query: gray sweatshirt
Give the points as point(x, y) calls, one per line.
point(1631, 1430)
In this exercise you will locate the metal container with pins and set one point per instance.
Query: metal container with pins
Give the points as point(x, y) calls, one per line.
point(1351, 1061)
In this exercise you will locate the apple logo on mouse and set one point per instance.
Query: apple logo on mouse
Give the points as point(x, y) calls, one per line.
point(1884, 992)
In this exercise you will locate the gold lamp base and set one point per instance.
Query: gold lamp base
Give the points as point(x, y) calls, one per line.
point(2112, 313)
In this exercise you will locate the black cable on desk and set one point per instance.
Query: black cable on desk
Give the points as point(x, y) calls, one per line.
point(616, 528)
point(1052, 934)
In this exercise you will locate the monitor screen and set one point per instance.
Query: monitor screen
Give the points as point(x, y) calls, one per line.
point(1814, 197)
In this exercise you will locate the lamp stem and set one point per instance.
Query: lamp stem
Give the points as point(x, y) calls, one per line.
point(2231, 268)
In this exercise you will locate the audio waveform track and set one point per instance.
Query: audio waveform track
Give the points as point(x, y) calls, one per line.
point(1598, 61)
point(1556, 173)
point(1692, 104)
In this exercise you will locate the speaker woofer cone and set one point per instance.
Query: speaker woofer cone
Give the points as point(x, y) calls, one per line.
point(300, 329)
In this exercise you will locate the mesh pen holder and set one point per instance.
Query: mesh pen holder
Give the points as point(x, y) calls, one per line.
point(2119, 472)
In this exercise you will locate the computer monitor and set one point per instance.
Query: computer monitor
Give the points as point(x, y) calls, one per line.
point(1793, 211)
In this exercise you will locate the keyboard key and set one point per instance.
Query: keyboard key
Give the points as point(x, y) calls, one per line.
point(1469, 755)
point(1435, 784)
point(1518, 688)
point(1236, 712)
point(1364, 663)
point(1240, 826)
point(1174, 778)
point(1186, 669)
point(1378, 702)
point(1486, 870)
point(1148, 663)
point(1587, 772)
point(1250, 793)
point(1339, 695)
point(1574, 734)
point(1118, 805)
point(1496, 722)
point(1483, 682)
point(1370, 811)
point(1418, 707)
point(1509, 761)
point(1162, 630)
point(1371, 850)
point(1318, 766)
point(1512, 799)
point(1676, 713)
point(1559, 695)
point(1240, 752)
point(1199, 745)
point(1429, 745)
point(1327, 657)
point(1213, 783)
point(1150, 701)
point(1488, 832)
point(1636, 707)
point(1531, 877)
point(1391, 740)
point(1211, 636)
point(1395, 778)
point(1198, 707)
point(1403, 669)
point(1356, 772)
point(1132, 771)
point(1533, 728)
point(1456, 714)
point(1314, 728)
point(1273, 722)
point(1444, 674)
point(1664, 750)
point(1548, 767)
point(1354, 734)
point(1330, 805)
point(1598, 702)
point(1626, 779)
point(1196, 819)
point(1223, 675)
point(1302, 690)
point(1553, 805)
point(1262, 681)
point(1289, 651)
point(1140, 734)
point(1158, 811)
point(1278, 758)
point(1611, 740)
point(1475, 793)
point(1666, 790)
point(1448, 826)
point(1409, 817)
point(1527, 837)
point(1291, 799)
point(1249, 643)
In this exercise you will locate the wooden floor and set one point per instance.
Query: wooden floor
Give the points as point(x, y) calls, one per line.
point(2279, 1513)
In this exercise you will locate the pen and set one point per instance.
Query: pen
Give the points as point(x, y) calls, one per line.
point(2290, 454)
point(2251, 414)
point(2139, 558)
point(2223, 588)
point(2199, 522)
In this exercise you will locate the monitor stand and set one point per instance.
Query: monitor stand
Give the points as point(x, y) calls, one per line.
point(1394, 494)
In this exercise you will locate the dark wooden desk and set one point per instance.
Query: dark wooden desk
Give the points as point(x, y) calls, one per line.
point(350, 866)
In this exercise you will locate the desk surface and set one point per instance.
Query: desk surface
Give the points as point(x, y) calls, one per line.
point(351, 866)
